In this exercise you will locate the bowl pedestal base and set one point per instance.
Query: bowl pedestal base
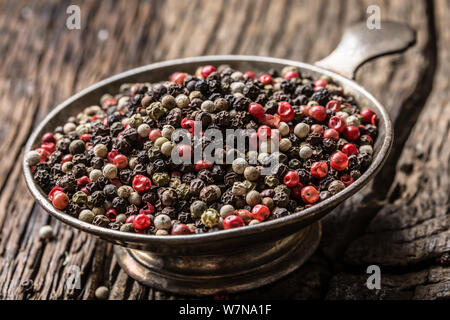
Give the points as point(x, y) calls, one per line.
point(237, 270)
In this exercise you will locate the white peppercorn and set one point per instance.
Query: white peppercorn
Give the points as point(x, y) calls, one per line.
point(69, 127)
point(110, 171)
point(207, 106)
point(162, 232)
point(366, 149)
point(301, 130)
point(143, 130)
point(167, 131)
point(226, 210)
point(32, 158)
point(95, 174)
point(102, 293)
point(305, 152)
point(46, 232)
point(182, 101)
point(283, 127)
point(135, 198)
point(239, 165)
point(100, 150)
point(285, 144)
point(162, 221)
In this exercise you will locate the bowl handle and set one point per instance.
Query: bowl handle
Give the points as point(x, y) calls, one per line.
point(360, 44)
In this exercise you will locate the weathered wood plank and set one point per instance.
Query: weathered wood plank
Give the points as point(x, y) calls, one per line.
point(44, 63)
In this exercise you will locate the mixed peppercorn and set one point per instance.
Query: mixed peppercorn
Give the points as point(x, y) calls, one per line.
point(111, 164)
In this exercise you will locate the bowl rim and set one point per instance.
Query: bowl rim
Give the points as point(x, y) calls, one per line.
point(313, 212)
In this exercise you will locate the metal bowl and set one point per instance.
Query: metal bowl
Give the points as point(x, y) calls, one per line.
point(229, 260)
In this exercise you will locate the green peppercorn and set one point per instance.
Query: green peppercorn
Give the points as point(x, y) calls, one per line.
point(77, 146)
point(86, 216)
point(81, 129)
point(156, 110)
point(80, 198)
point(210, 218)
point(197, 208)
point(271, 181)
point(127, 227)
point(161, 179)
point(136, 120)
point(167, 131)
point(183, 191)
point(160, 141)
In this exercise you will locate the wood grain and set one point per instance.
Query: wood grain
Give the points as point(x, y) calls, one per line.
point(400, 222)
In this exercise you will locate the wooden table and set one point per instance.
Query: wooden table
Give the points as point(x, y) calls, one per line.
point(400, 222)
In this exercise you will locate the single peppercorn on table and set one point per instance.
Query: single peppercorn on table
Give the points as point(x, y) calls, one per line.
point(363, 231)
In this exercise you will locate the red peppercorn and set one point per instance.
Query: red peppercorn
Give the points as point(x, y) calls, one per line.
point(141, 183)
point(184, 151)
point(317, 128)
point(44, 154)
point(250, 75)
point(105, 121)
point(285, 111)
point(351, 133)
point(89, 145)
point(141, 222)
point(291, 75)
point(207, 70)
point(60, 200)
point(111, 214)
point(232, 222)
point(331, 134)
point(85, 137)
point(116, 182)
point(83, 181)
point(318, 113)
point(260, 212)
point(109, 102)
point(48, 137)
point(67, 157)
point(297, 191)
point(256, 110)
point(291, 179)
point(54, 190)
point(147, 209)
point(347, 179)
point(265, 79)
point(339, 161)
point(310, 194)
point(337, 123)
point(199, 166)
point(120, 161)
point(304, 111)
point(49, 146)
point(333, 105)
point(155, 134)
point(264, 132)
point(349, 149)
point(188, 124)
point(319, 169)
point(367, 115)
point(244, 214)
point(112, 154)
point(180, 229)
point(322, 83)
point(178, 77)
point(85, 190)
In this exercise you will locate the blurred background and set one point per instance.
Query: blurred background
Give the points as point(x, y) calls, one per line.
point(400, 222)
